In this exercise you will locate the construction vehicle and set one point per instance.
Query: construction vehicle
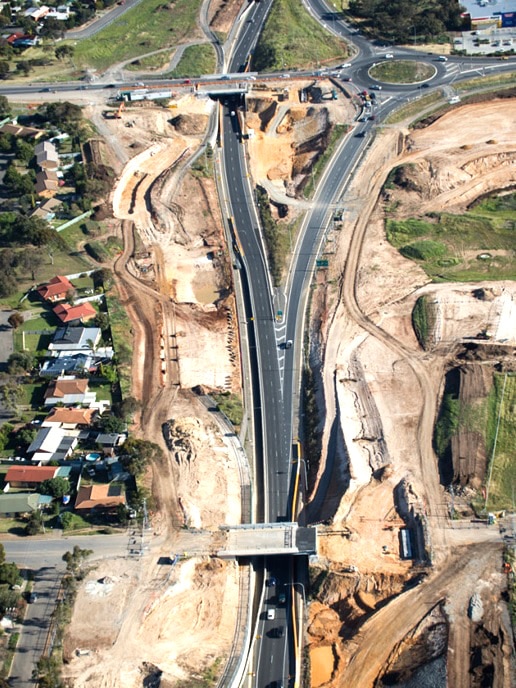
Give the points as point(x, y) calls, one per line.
point(121, 107)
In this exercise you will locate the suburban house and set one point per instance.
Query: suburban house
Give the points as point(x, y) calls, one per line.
point(78, 363)
point(32, 476)
point(69, 418)
point(67, 313)
point(73, 339)
point(56, 289)
point(19, 130)
point(51, 444)
point(45, 211)
point(69, 391)
point(18, 503)
point(109, 440)
point(47, 156)
point(47, 183)
point(99, 498)
point(37, 13)
point(61, 13)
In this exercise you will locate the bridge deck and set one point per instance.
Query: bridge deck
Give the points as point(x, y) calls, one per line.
point(268, 539)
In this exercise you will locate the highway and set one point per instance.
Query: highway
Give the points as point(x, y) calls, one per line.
point(276, 370)
point(274, 658)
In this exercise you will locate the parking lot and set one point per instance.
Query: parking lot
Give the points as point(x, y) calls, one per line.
point(486, 41)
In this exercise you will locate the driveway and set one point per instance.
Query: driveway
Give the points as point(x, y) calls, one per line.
point(6, 339)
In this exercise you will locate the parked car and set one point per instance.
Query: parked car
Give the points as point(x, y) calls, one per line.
point(33, 597)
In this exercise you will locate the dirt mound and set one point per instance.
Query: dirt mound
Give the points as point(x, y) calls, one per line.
point(190, 125)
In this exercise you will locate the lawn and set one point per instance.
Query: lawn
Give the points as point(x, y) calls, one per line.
point(504, 79)
point(293, 39)
point(478, 245)
point(151, 25)
point(195, 61)
point(402, 71)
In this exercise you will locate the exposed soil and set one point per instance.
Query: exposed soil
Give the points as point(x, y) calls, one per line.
point(386, 422)
point(222, 14)
point(287, 136)
point(174, 280)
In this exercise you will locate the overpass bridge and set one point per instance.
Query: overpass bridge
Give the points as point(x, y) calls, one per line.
point(267, 539)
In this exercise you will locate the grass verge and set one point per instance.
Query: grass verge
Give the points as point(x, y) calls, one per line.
point(336, 134)
point(505, 79)
point(231, 406)
point(195, 61)
point(292, 39)
point(501, 404)
point(122, 341)
point(478, 245)
point(151, 25)
point(414, 108)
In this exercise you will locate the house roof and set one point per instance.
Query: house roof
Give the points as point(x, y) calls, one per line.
point(46, 180)
point(57, 286)
point(46, 147)
point(67, 313)
point(30, 474)
point(18, 502)
point(99, 496)
point(47, 440)
point(46, 208)
point(77, 362)
point(20, 130)
point(79, 416)
point(61, 388)
point(110, 439)
point(75, 337)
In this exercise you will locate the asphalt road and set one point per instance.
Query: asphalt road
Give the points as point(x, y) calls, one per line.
point(44, 558)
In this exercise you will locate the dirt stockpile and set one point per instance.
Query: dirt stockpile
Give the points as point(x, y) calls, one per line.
point(190, 125)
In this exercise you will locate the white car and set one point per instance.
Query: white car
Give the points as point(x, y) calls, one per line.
point(271, 614)
point(345, 65)
point(389, 56)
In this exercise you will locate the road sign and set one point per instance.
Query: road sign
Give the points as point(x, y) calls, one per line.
point(321, 263)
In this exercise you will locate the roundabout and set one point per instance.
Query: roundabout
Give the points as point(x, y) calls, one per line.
point(402, 72)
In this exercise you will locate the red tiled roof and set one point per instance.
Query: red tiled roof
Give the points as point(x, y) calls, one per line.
point(98, 496)
point(67, 313)
point(57, 286)
point(30, 474)
point(60, 388)
point(71, 415)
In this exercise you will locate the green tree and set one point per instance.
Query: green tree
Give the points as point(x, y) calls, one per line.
point(5, 68)
point(122, 514)
point(11, 395)
point(102, 321)
point(24, 150)
point(31, 260)
point(110, 423)
point(135, 454)
point(56, 487)
point(24, 67)
point(15, 319)
point(20, 362)
point(2, 553)
point(8, 285)
point(35, 523)
point(9, 573)
point(26, 436)
point(5, 108)
point(75, 559)
point(64, 51)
